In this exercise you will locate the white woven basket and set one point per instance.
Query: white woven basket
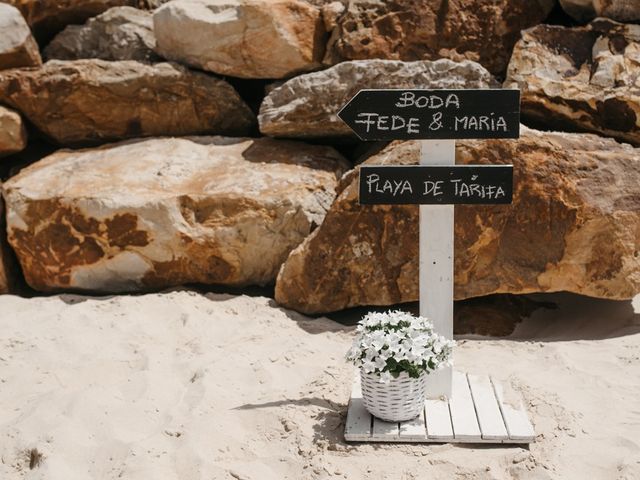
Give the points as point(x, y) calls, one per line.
point(399, 400)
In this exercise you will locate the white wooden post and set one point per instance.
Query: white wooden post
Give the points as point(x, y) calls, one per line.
point(436, 261)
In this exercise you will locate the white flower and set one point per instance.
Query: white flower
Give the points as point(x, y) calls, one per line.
point(368, 367)
point(385, 377)
point(380, 363)
point(402, 337)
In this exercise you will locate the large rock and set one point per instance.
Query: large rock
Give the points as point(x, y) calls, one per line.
point(241, 38)
point(120, 33)
point(574, 225)
point(47, 17)
point(13, 135)
point(583, 78)
point(307, 105)
point(91, 101)
point(620, 10)
point(161, 212)
point(8, 269)
point(18, 48)
point(414, 30)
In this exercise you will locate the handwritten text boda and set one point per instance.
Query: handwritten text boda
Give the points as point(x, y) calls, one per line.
point(439, 104)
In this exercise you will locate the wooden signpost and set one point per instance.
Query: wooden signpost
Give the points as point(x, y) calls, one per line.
point(437, 118)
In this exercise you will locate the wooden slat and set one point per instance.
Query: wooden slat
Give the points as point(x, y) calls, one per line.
point(358, 425)
point(385, 431)
point(487, 409)
point(447, 420)
point(514, 414)
point(438, 420)
point(414, 430)
point(463, 412)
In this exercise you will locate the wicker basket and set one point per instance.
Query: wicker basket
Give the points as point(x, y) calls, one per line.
point(399, 400)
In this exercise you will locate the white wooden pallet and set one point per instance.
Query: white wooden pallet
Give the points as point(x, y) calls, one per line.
point(478, 412)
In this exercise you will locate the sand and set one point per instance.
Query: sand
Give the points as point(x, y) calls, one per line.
point(181, 385)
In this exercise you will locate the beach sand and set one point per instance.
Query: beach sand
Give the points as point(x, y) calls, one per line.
point(182, 385)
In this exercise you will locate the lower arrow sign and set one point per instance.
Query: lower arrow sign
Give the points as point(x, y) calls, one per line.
point(436, 185)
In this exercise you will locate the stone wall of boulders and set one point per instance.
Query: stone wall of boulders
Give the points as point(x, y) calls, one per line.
point(150, 144)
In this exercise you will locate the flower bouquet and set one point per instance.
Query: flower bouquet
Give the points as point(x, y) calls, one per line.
point(395, 352)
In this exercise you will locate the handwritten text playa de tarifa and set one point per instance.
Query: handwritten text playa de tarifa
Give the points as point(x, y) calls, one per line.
point(450, 188)
point(446, 112)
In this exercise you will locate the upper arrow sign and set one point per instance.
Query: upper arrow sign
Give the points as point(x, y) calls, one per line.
point(433, 114)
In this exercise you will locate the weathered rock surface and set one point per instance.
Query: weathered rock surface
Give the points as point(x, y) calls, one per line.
point(120, 33)
point(47, 17)
point(621, 10)
point(91, 101)
point(159, 212)
point(574, 225)
point(307, 105)
point(13, 135)
point(426, 30)
point(585, 10)
point(583, 78)
point(241, 38)
point(8, 269)
point(18, 48)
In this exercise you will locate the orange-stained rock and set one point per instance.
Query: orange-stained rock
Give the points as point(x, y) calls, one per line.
point(93, 101)
point(574, 225)
point(160, 212)
point(581, 78)
point(479, 30)
point(8, 269)
point(18, 48)
point(13, 135)
point(241, 38)
point(47, 17)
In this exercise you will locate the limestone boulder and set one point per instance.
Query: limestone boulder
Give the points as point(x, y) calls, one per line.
point(241, 38)
point(47, 17)
point(8, 269)
point(93, 101)
point(580, 79)
point(13, 135)
point(18, 48)
point(120, 33)
point(585, 10)
point(153, 213)
point(307, 105)
point(476, 30)
point(574, 225)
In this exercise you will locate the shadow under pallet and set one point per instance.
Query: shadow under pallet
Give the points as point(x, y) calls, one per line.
point(480, 410)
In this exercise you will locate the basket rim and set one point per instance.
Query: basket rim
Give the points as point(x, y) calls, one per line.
point(402, 374)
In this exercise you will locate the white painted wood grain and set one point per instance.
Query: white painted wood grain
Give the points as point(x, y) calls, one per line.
point(436, 261)
point(514, 414)
point(413, 430)
point(358, 424)
point(463, 412)
point(489, 416)
point(438, 420)
point(385, 431)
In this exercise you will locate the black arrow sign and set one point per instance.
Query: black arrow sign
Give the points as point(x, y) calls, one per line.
point(439, 185)
point(433, 114)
